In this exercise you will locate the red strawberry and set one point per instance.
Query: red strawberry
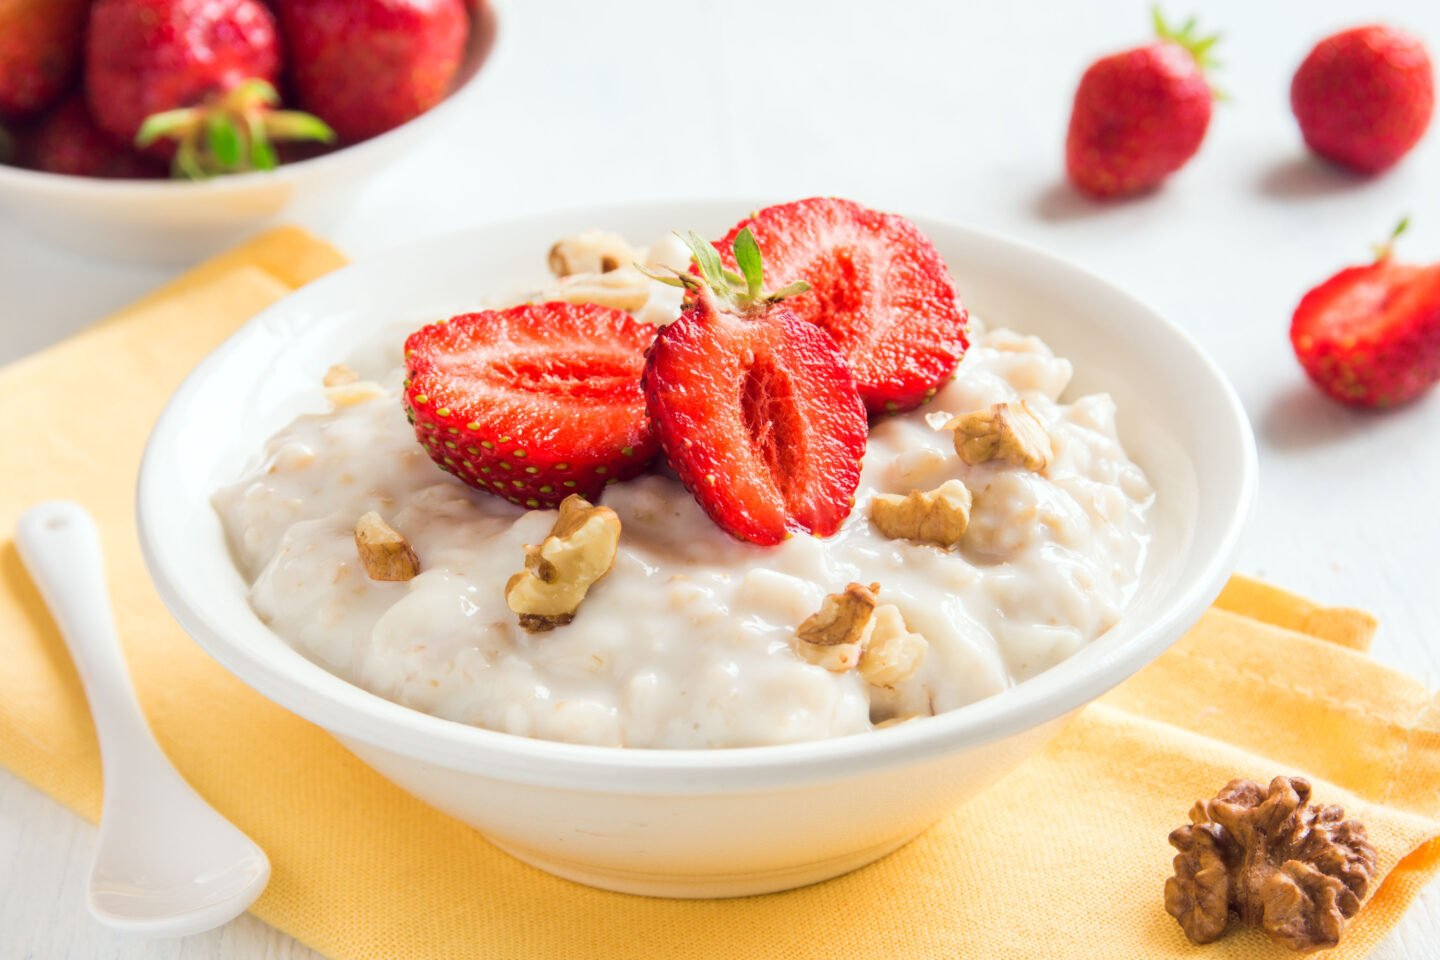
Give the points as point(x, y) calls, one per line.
point(532, 403)
point(1141, 114)
point(1370, 336)
point(67, 141)
point(1364, 97)
point(755, 408)
point(877, 286)
point(367, 66)
point(40, 45)
point(200, 72)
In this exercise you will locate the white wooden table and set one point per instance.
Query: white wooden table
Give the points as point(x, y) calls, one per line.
point(948, 109)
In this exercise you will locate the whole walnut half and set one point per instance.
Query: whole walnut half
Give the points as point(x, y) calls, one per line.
point(1296, 870)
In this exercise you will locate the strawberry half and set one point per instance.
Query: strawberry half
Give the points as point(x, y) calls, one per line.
point(756, 408)
point(1370, 336)
point(532, 403)
point(877, 286)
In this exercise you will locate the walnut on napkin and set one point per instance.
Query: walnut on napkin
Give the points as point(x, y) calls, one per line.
point(1296, 870)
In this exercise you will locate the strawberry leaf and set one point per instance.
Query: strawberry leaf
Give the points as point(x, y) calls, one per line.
point(790, 290)
point(222, 139)
point(747, 258)
point(293, 125)
point(170, 124)
point(187, 161)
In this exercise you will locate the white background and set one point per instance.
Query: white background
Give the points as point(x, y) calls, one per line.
point(948, 109)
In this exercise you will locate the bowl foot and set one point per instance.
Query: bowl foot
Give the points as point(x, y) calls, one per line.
point(689, 886)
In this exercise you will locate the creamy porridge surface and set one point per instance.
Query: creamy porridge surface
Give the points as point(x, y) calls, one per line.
point(689, 641)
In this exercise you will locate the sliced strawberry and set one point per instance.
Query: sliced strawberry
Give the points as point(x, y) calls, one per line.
point(756, 409)
point(1370, 336)
point(878, 287)
point(532, 403)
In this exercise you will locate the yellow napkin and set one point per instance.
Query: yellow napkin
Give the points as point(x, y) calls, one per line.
point(1066, 857)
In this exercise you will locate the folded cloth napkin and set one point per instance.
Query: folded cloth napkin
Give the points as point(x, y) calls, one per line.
point(1065, 857)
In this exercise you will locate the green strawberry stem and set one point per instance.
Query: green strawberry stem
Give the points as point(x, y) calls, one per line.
point(741, 293)
point(1187, 35)
point(1383, 251)
point(234, 132)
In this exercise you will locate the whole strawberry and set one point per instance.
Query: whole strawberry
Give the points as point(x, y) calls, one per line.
point(1364, 97)
point(1140, 115)
point(1370, 335)
point(755, 408)
point(40, 46)
point(67, 141)
point(367, 66)
point(198, 72)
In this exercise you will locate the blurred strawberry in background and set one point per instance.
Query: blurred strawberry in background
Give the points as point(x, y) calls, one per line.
point(40, 46)
point(200, 73)
point(68, 141)
point(197, 82)
point(1364, 97)
point(1141, 114)
point(367, 66)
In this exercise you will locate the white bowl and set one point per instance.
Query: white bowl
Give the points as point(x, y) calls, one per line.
point(173, 222)
point(697, 823)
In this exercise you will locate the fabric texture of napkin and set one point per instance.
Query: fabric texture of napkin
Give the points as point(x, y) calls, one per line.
point(1065, 857)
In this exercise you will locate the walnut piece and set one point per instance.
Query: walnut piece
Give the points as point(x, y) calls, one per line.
point(624, 289)
point(560, 571)
point(1007, 431)
point(938, 516)
point(339, 375)
point(852, 629)
point(893, 653)
point(349, 394)
point(591, 251)
point(384, 552)
point(1296, 870)
point(833, 636)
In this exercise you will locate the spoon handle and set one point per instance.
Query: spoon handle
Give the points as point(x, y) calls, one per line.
point(60, 547)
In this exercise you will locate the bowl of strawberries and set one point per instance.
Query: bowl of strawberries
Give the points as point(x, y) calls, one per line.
point(156, 131)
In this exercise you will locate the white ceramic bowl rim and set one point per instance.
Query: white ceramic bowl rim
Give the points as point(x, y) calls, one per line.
point(479, 51)
point(353, 712)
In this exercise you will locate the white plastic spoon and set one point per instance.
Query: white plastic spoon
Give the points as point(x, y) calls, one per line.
point(166, 864)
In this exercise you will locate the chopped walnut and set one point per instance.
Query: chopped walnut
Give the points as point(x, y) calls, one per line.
point(339, 375)
point(559, 572)
point(893, 653)
point(1007, 431)
point(349, 394)
point(842, 617)
point(852, 629)
point(591, 251)
point(1296, 870)
point(384, 552)
point(624, 289)
point(938, 516)
point(832, 637)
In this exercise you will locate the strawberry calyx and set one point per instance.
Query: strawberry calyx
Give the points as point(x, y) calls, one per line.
point(1188, 37)
point(743, 293)
point(7, 146)
point(232, 132)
